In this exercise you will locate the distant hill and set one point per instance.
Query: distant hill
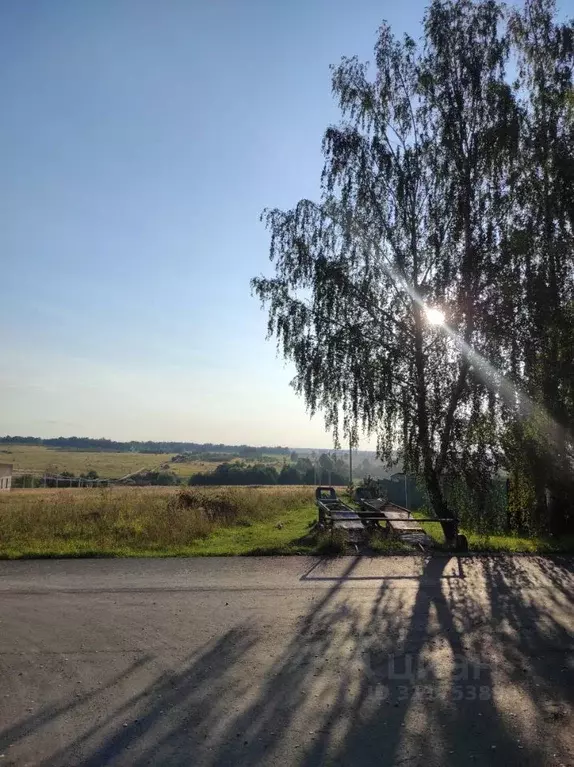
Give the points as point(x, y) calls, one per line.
point(109, 445)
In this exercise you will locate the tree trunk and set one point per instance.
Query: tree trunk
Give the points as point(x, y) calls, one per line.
point(431, 476)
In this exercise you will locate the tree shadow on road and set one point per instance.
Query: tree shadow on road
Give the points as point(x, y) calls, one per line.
point(445, 669)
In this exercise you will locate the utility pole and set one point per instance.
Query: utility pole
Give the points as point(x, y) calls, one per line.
point(350, 461)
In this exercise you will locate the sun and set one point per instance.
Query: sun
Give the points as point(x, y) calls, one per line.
point(434, 316)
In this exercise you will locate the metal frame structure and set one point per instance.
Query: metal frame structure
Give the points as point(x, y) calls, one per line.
point(336, 515)
point(378, 512)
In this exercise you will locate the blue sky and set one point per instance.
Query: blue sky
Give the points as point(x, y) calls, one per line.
point(139, 142)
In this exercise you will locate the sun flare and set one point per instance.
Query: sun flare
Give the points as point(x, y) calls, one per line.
point(434, 316)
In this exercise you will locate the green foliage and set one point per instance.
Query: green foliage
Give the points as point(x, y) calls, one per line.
point(383, 544)
point(303, 473)
point(164, 478)
point(26, 480)
point(482, 508)
point(333, 543)
point(237, 474)
point(289, 476)
point(444, 185)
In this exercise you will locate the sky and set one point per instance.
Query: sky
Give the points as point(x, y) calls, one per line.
point(139, 143)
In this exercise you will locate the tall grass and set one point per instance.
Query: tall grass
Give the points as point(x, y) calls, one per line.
point(120, 521)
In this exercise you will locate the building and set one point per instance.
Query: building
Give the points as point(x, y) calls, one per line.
point(5, 476)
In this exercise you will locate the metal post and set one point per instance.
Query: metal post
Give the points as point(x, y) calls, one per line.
point(406, 496)
point(350, 461)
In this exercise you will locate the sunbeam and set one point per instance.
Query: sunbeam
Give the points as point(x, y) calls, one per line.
point(511, 395)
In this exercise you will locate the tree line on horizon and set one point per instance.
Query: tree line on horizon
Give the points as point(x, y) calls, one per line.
point(325, 469)
point(149, 446)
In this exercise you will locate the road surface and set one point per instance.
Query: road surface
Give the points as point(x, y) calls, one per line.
point(287, 661)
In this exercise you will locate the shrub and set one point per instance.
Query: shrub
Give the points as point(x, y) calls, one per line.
point(332, 543)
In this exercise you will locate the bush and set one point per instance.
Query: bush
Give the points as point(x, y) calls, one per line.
point(332, 543)
point(290, 476)
point(164, 478)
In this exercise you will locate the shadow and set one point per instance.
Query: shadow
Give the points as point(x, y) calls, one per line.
point(435, 669)
point(425, 578)
point(51, 713)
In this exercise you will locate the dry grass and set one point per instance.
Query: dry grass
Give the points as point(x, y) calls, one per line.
point(130, 521)
point(185, 470)
point(38, 458)
point(109, 465)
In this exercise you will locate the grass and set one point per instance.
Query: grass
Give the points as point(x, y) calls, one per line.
point(153, 521)
point(109, 465)
point(498, 543)
point(208, 521)
point(332, 544)
point(290, 534)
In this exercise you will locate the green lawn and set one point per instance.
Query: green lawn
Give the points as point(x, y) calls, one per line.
point(286, 533)
point(511, 544)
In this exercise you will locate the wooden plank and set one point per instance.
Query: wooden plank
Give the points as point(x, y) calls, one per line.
point(394, 514)
point(375, 503)
point(348, 525)
point(344, 514)
point(346, 519)
point(404, 528)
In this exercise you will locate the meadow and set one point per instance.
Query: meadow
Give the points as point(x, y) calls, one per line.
point(155, 521)
point(36, 458)
point(197, 521)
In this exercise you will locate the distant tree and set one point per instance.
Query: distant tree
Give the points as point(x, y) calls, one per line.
point(290, 476)
point(246, 451)
point(326, 462)
point(237, 474)
point(304, 464)
point(294, 457)
point(164, 478)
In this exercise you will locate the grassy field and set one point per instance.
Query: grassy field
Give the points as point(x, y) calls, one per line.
point(108, 465)
point(154, 521)
point(208, 521)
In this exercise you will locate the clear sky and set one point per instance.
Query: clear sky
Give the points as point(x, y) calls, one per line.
point(139, 142)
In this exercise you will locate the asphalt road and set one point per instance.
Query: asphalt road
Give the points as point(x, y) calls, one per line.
point(391, 661)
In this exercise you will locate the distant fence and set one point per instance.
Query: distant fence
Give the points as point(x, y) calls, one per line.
point(35, 479)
